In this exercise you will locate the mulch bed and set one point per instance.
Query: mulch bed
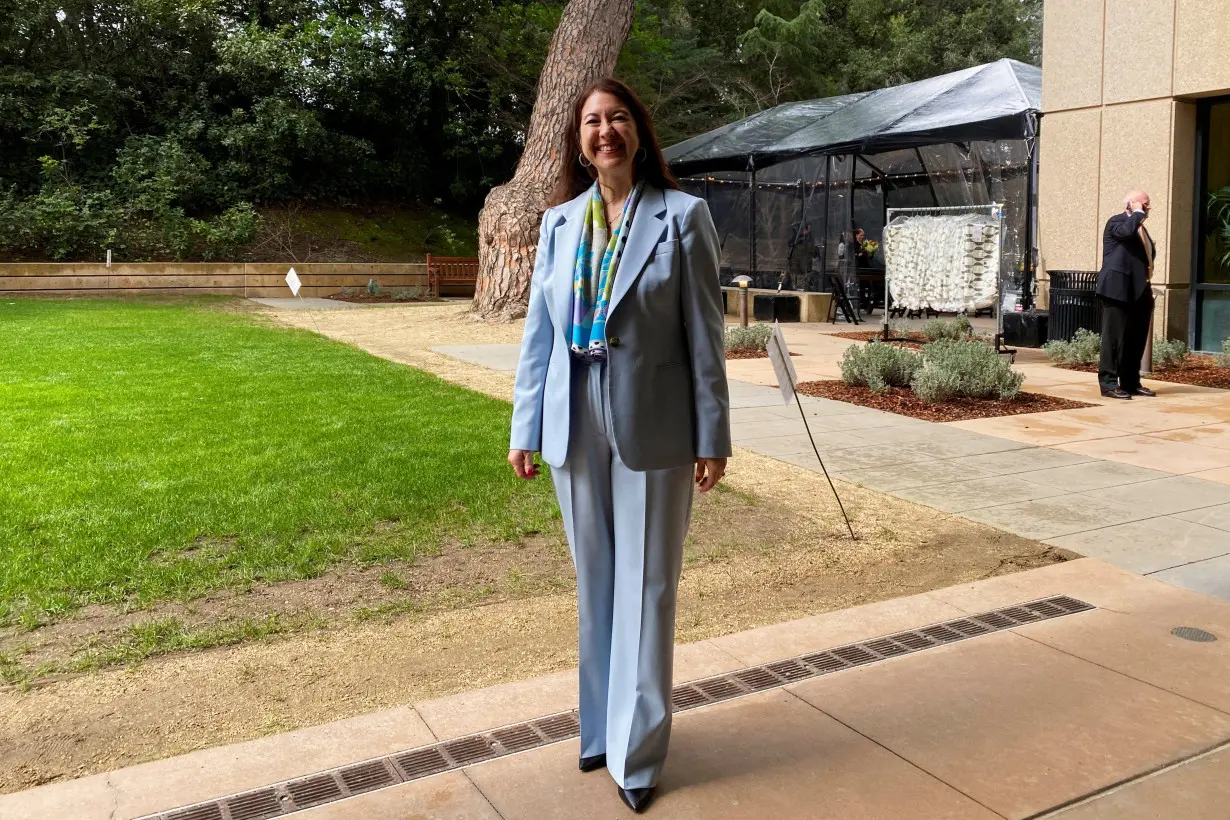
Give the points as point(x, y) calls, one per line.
point(373, 300)
point(913, 339)
point(1198, 371)
point(902, 401)
point(749, 354)
point(869, 335)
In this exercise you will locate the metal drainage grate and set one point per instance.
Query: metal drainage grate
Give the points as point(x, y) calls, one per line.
point(314, 791)
point(257, 805)
point(1191, 633)
point(208, 811)
point(346, 781)
point(367, 777)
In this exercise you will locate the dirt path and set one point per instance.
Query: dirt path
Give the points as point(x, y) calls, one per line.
point(470, 617)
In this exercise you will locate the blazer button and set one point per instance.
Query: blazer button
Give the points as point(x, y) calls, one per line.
point(613, 341)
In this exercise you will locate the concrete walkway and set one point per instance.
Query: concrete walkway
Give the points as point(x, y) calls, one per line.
point(1099, 715)
point(1121, 482)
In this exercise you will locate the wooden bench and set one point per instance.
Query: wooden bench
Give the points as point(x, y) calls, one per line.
point(459, 271)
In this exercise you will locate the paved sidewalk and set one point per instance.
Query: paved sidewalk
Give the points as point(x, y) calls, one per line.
point(1098, 715)
point(1150, 521)
point(502, 358)
point(1079, 494)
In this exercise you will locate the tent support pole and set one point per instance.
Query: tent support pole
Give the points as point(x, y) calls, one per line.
point(863, 159)
point(752, 219)
point(1027, 279)
point(824, 248)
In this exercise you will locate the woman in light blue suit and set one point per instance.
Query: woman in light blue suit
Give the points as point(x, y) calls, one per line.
point(622, 388)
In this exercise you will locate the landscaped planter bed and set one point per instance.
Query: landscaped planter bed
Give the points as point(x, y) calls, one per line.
point(902, 401)
point(1198, 371)
point(377, 300)
point(912, 338)
point(749, 354)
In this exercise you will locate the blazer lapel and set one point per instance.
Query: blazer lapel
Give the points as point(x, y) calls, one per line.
point(646, 231)
point(567, 238)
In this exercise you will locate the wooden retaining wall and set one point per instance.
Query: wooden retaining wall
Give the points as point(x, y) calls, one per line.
point(218, 278)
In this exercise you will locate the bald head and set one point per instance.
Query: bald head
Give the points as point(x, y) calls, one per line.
point(1136, 201)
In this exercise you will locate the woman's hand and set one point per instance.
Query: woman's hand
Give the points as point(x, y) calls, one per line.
point(522, 462)
point(709, 472)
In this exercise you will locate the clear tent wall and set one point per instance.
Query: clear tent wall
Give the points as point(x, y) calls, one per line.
point(793, 223)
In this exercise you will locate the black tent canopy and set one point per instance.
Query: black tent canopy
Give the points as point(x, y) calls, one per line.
point(789, 186)
point(995, 101)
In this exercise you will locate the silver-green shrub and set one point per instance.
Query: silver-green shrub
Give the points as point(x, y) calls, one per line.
point(879, 366)
point(752, 337)
point(1085, 348)
point(1169, 352)
point(965, 369)
point(1223, 358)
point(955, 330)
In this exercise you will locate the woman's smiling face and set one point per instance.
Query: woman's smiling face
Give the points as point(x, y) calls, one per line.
point(608, 133)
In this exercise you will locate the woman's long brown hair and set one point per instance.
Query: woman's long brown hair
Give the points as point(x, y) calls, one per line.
point(574, 178)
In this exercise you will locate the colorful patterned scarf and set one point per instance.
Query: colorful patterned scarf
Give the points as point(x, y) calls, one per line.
point(593, 278)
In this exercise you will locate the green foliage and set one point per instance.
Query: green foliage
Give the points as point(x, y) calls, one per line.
point(879, 366)
point(373, 233)
point(964, 369)
point(954, 330)
point(1169, 353)
point(1085, 348)
point(139, 124)
point(833, 48)
point(1223, 358)
point(752, 337)
point(163, 450)
point(1219, 213)
point(157, 128)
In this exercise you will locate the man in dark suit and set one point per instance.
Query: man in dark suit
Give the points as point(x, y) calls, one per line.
point(1127, 298)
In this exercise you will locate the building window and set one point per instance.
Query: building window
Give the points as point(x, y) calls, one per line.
point(1211, 283)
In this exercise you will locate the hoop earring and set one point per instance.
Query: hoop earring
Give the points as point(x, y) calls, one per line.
point(584, 164)
point(641, 154)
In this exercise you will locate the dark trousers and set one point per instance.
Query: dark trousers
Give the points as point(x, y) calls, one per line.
point(1125, 329)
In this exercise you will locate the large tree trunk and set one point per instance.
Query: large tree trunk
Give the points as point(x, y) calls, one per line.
point(584, 48)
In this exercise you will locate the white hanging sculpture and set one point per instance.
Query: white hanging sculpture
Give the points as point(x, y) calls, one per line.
point(946, 263)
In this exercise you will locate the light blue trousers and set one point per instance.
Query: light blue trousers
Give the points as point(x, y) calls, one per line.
point(626, 530)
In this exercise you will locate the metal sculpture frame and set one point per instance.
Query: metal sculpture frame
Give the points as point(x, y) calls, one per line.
point(995, 210)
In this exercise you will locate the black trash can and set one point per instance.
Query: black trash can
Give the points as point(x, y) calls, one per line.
point(1073, 304)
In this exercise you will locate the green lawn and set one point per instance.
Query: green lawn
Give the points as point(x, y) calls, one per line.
point(161, 450)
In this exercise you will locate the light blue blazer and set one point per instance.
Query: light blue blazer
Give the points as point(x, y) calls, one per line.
point(666, 366)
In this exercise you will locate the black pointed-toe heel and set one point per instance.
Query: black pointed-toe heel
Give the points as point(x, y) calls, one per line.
point(588, 764)
point(637, 799)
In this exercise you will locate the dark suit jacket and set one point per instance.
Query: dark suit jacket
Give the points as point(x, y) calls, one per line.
point(1125, 267)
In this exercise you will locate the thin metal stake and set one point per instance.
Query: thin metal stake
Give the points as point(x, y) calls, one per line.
point(309, 313)
point(812, 439)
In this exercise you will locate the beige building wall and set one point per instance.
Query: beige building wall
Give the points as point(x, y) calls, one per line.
point(1202, 58)
point(1119, 80)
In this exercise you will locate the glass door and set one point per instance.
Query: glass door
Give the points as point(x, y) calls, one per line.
point(1211, 280)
